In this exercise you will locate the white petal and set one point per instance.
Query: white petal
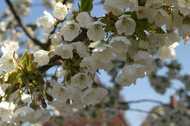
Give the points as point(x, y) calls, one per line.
point(125, 25)
point(60, 10)
point(84, 19)
point(65, 51)
point(46, 22)
point(95, 31)
point(41, 57)
point(70, 31)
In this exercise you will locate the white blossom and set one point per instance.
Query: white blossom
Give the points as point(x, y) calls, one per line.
point(94, 62)
point(119, 46)
point(168, 52)
point(81, 49)
point(68, 99)
point(125, 25)
point(25, 114)
point(41, 57)
point(84, 19)
point(94, 96)
point(22, 112)
point(60, 10)
point(148, 13)
point(26, 98)
point(119, 6)
point(47, 21)
point(64, 50)
point(9, 50)
point(70, 30)
point(56, 38)
point(89, 64)
point(162, 18)
point(154, 3)
point(183, 6)
point(81, 80)
point(156, 40)
point(56, 91)
point(6, 64)
point(130, 73)
point(7, 111)
point(3, 26)
point(143, 57)
point(171, 38)
point(95, 31)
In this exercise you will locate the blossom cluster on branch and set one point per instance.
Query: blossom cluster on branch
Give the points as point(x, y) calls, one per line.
point(57, 74)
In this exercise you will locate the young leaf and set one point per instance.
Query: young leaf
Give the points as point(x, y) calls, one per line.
point(86, 5)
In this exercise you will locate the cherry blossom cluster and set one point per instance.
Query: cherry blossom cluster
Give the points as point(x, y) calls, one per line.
point(124, 42)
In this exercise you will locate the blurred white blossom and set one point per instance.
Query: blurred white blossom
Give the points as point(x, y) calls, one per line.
point(130, 73)
point(70, 30)
point(95, 31)
point(60, 10)
point(41, 57)
point(47, 21)
point(125, 25)
point(168, 51)
point(64, 50)
point(84, 19)
point(9, 50)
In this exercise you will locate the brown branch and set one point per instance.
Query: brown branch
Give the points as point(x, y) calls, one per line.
point(147, 100)
point(144, 111)
point(44, 46)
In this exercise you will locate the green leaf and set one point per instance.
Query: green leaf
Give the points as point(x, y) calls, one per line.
point(26, 62)
point(86, 5)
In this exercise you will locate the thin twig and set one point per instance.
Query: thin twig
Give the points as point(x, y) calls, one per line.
point(139, 110)
point(44, 46)
point(144, 111)
point(147, 100)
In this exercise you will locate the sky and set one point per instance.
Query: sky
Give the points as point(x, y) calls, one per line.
point(142, 89)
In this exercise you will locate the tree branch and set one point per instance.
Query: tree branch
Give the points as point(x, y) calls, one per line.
point(147, 100)
point(143, 111)
point(44, 46)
